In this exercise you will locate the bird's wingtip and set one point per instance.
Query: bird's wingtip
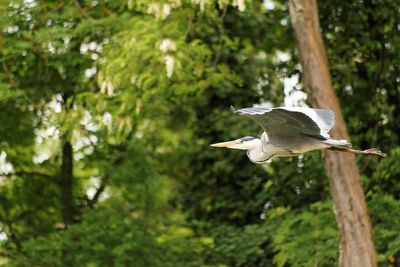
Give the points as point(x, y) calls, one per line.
point(233, 110)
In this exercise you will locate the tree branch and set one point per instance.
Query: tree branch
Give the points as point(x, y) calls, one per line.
point(190, 24)
point(92, 202)
point(81, 11)
point(6, 255)
point(221, 35)
point(31, 173)
point(12, 235)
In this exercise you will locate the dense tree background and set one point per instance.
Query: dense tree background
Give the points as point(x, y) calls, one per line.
point(107, 109)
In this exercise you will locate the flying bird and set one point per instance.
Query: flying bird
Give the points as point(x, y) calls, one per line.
point(290, 131)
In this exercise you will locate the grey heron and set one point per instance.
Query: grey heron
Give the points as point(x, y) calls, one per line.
point(290, 131)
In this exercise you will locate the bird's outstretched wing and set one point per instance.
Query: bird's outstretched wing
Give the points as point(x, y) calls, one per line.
point(286, 123)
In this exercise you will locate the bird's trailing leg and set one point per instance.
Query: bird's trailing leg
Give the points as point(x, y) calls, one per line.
point(371, 151)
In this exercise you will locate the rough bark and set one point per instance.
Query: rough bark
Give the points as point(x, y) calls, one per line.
point(356, 237)
point(66, 185)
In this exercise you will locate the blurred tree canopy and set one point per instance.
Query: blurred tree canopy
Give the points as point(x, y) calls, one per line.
point(108, 107)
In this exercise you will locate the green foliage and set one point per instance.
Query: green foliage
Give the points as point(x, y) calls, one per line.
point(109, 237)
point(241, 246)
point(312, 233)
point(140, 89)
point(385, 209)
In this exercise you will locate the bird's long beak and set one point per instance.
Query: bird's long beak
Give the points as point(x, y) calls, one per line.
point(226, 144)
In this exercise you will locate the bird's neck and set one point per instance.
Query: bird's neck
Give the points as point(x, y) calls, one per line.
point(257, 155)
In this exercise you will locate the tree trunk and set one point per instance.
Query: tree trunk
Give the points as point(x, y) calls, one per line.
point(356, 237)
point(66, 185)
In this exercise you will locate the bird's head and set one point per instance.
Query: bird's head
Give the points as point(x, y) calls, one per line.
point(244, 143)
